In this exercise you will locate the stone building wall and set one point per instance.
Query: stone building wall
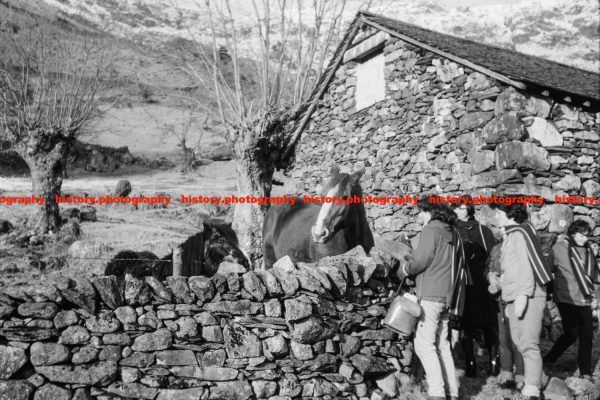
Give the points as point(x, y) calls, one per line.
point(444, 128)
point(306, 331)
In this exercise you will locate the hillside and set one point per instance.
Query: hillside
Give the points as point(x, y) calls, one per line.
point(151, 85)
point(565, 31)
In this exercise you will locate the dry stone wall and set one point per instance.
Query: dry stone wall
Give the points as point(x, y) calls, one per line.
point(444, 128)
point(295, 331)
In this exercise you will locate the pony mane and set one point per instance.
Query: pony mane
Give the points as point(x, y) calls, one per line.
point(341, 181)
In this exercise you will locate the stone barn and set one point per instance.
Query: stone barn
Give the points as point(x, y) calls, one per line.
point(424, 112)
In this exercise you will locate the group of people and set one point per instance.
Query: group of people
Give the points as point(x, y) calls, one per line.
point(468, 280)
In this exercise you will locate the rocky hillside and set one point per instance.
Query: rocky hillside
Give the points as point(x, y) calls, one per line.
point(565, 31)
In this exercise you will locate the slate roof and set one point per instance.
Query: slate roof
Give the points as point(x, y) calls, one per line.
point(530, 70)
point(535, 72)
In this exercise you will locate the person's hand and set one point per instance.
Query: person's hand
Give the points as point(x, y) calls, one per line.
point(520, 305)
point(400, 272)
point(493, 288)
point(553, 311)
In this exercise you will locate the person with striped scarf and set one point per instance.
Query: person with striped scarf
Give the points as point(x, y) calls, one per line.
point(441, 279)
point(575, 271)
point(525, 274)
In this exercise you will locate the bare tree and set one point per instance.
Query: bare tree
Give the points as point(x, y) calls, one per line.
point(49, 80)
point(181, 133)
point(295, 39)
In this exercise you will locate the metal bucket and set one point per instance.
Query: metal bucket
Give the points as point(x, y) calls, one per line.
point(403, 314)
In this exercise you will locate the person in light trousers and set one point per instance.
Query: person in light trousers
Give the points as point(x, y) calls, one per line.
point(525, 273)
point(434, 267)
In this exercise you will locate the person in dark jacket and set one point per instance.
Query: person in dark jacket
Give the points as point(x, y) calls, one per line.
point(575, 271)
point(440, 283)
point(481, 309)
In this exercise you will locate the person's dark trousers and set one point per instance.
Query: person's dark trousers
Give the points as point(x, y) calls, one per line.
point(490, 337)
point(577, 324)
point(509, 355)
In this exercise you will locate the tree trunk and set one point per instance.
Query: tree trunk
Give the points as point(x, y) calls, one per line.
point(255, 164)
point(46, 157)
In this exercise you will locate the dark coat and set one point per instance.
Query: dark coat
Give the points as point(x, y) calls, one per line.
point(480, 306)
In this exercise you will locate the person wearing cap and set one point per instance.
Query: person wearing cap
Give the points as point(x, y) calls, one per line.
point(575, 271)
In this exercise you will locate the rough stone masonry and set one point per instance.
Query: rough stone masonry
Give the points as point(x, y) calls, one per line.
point(295, 331)
point(445, 128)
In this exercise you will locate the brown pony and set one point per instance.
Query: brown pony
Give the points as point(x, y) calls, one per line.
point(307, 232)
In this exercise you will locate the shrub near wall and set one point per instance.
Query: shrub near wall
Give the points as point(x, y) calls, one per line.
point(296, 331)
point(444, 128)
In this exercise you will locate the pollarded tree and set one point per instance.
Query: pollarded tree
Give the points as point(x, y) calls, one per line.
point(50, 77)
point(263, 85)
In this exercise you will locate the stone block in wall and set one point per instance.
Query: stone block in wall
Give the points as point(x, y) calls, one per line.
point(180, 289)
point(541, 218)
point(74, 335)
point(481, 160)
point(52, 392)
point(11, 360)
point(517, 154)
point(503, 128)
point(477, 81)
point(472, 120)
point(530, 189)
point(240, 342)
point(510, 100)
point(43, 293)
point(99, 373)
point(202, 287)
point(48, 353)
point(568, 183)
point(109, 290)
point(132, 390)
point(468, 142)
point(45, 310)
point(161, 339)
point(137, 291)
point(312, 330)
point(589, 136)
point(234, 390)
point(565, 124)
point(591, 188)
point(562, 111)
point(81, 293)
point(104, 322)
point(180, 394)
point(560, 218)
point(491, 178)
point(447, 71)
point(545, 132)
point(160, 291)
point(585, 160)
point(538, 107)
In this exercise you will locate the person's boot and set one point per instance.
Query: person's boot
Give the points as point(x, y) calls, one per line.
point(471, 369)
point(494, 365)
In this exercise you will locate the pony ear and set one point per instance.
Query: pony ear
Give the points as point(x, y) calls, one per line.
point(356, 175)
point(334, 170)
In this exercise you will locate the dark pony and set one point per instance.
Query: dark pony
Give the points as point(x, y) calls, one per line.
point(201, 255)
point(307, 232)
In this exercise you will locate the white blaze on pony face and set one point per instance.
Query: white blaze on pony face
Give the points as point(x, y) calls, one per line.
point(318, 230)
